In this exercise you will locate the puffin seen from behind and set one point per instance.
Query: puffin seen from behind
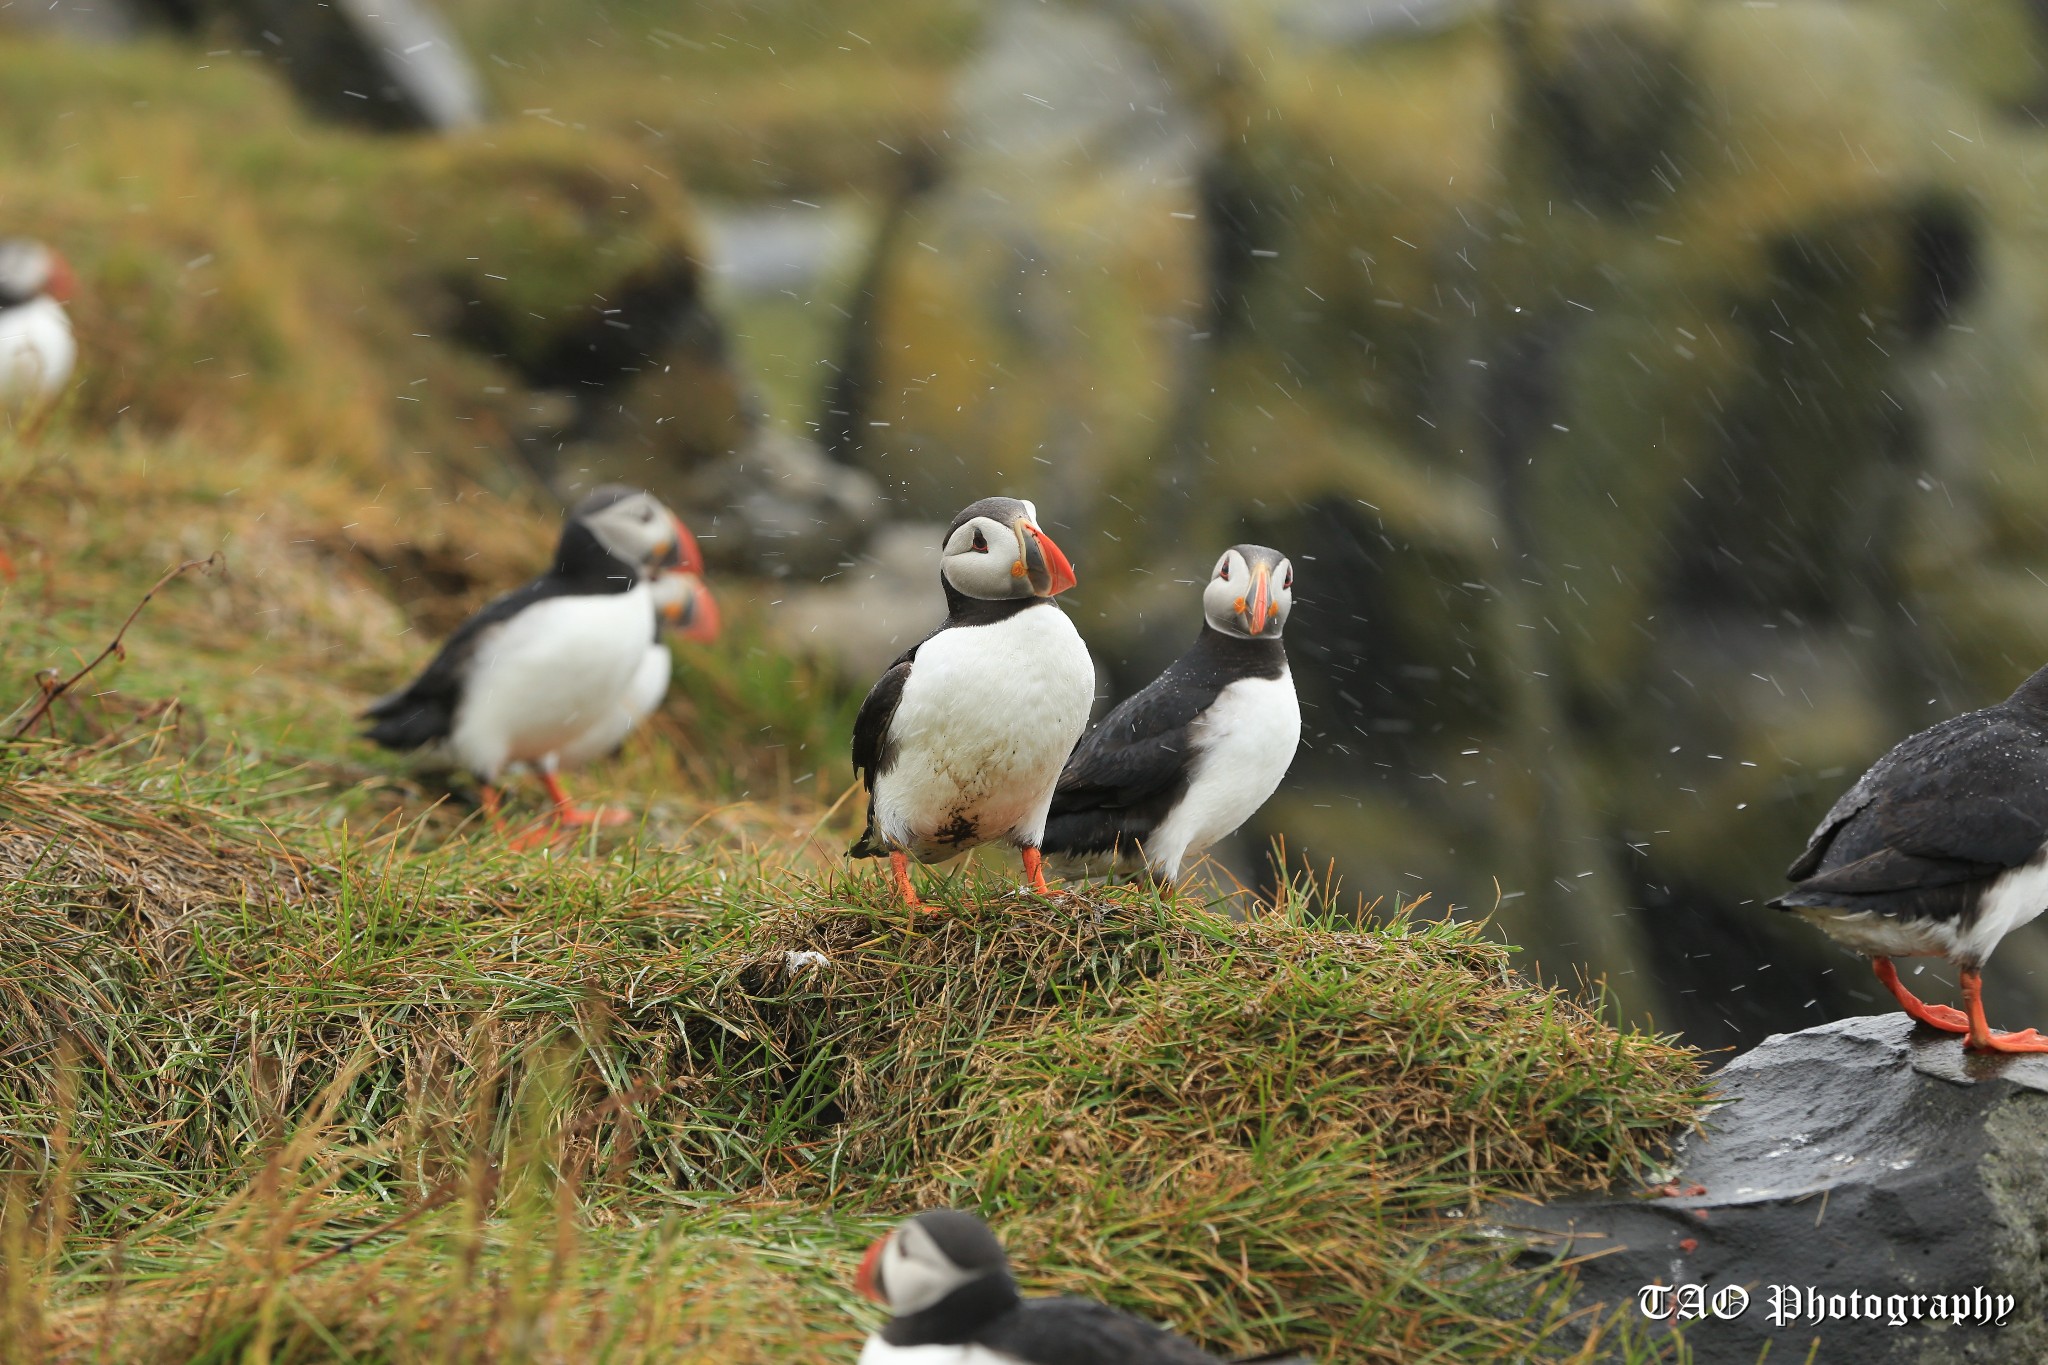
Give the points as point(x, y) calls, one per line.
point(962, 739)
point(1940, 850)
point(684, 608)
point(945, 1278)
point(538, 667)
point(1190, 758)
point(36, 347)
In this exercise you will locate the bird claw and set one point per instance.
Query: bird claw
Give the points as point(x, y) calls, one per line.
point(2026, 1040)
point(535, 836)
point(602, 816)
point(1947, 1018)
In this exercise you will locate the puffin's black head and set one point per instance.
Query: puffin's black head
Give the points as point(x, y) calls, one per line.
point(929, 1258)
point(1250, 593)
point(995, 551)
point(28, 270)
point(632, 526)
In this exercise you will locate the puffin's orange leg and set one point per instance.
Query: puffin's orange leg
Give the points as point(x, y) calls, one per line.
point(899, 872)
point(489, 795)
point(1944, 1017)
point(569, 813)
point(1034, 871)
point(1982, 1039)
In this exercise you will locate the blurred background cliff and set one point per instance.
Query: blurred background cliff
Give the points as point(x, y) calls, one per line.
point(1649, 391)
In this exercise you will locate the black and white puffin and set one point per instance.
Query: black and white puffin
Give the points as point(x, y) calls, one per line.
point(1940, 850)
point(1186, 761)
point(535, 669)
point(961, 741)
point(683, 608)
point(36, 347)
point(945, 1278)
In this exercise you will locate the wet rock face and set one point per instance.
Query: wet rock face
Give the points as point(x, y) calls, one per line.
point(1866, 1156)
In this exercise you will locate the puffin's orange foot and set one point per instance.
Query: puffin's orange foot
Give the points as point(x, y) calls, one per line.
point(536, 836)
point(1034, 871)
point(1943, 1017)
point(603, 815)
point(1981, 1038)
point(2026, 1040)
point(899, 875)
point(1947, 1018)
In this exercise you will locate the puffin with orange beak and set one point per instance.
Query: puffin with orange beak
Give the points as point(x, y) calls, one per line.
point(532, 673)
point(36, 347)
point(961, 741)
point(947, 1280)
point(1183, 763)
point(683, 610)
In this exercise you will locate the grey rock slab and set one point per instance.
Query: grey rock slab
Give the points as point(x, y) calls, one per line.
point(1867, 1155)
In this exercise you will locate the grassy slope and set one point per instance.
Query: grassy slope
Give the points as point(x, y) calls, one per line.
point(267, 994)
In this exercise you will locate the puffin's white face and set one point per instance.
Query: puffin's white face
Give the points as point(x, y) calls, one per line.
point(908, 1272)
point(637, 529)
point(1250, 592)
point(1001, 554)
point(28, 268)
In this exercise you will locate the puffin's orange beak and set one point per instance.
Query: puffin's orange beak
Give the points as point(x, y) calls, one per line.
point(1262, 578)
point(61, 281)
point(686, 555)
point(1041, 561)
point(864, 1282)
point(697, 619)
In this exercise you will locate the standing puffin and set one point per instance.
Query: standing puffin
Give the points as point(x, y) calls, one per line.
point(1940, 850)
point(1186, 761)
point(683, 606)
point(963, 738)
point(944, 1276)
point(36, 348)
point(535, 669)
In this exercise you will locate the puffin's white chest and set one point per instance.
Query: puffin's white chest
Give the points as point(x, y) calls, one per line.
point(984, 725)
point(544, 678)
point(639, 701)
point(1240, 748)
point(36, 349)
point(880, 1352)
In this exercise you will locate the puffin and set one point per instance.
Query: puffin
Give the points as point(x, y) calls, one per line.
point(961, 740)
point(946, 1280)
point(538, 667)
point(1190, 758)
point(683, 607)
point(36, 347)
point(1940, 850)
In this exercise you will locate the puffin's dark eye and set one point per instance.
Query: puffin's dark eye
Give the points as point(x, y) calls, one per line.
point(1287, 583)
point(980, 542)
point(1223, 571)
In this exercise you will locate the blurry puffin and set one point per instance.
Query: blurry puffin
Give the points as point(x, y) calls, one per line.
point(961, 740)
point(1186, 761)
point(538, 667)
point(36, 347)
point(683, 606)
point(1940, 850)
point(944, 1276)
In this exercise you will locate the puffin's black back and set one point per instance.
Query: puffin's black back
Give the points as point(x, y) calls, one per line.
point(424, 710)
point(1937, 818)
point(1128, 773)
point(1084, 1332)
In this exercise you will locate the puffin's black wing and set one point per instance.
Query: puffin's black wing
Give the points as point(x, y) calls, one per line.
point(871, 749)
point(1084, 1332)
point(1950, 806)
point(1126, 773)
point(424, 710)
